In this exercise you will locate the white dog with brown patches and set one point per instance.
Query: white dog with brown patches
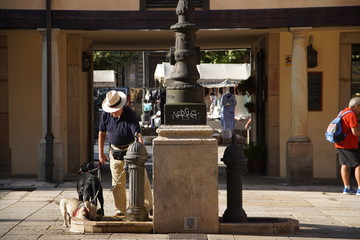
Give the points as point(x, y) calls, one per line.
point(72, 207)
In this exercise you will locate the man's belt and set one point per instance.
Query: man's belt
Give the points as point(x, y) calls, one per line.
point(119, 151)
point(121, 147)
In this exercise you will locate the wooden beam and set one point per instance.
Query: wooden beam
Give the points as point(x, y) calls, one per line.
point(206, 19)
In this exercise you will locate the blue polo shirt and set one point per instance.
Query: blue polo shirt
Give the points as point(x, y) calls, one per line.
point(121, 130)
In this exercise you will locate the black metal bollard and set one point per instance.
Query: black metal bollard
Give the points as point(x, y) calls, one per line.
point(135, 159)
point(236, 165)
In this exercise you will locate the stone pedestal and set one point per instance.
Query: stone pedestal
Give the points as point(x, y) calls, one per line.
point(299, 161)
point(185, 180)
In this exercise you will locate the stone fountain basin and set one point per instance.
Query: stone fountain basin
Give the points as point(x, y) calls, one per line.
point(261, 226)
point(110, 225)
point(254, 226)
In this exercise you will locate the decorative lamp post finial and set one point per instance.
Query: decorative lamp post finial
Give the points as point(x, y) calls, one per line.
point(185, 95)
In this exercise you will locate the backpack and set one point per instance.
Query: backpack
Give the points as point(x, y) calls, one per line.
point(334, 131)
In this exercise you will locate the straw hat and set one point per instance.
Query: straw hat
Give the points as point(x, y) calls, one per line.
point(114, 101)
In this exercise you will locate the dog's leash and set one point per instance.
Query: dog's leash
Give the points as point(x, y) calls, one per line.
point(117, 180)
point(95, 197)
point(99, 176)
point(87, 213)
point(97, 169)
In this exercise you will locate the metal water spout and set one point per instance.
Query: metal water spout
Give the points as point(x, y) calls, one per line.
point(135, 159)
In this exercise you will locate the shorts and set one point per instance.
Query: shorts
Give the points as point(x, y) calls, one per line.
point(349, 157)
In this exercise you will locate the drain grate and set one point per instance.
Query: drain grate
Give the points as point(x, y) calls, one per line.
point(188, 236)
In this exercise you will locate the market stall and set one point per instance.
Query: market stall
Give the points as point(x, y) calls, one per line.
point(211, 75)
point(218, 79)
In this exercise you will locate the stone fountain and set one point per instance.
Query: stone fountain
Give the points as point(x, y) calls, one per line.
point(185, 160)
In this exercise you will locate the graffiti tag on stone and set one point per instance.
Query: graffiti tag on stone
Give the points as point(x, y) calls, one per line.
point(185, 114)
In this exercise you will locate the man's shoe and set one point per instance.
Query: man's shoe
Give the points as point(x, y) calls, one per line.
point(349, 191)
point(358, 192)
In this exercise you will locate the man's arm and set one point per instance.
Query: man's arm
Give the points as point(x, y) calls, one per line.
point(101, 142)
point(355, 131)
point(141, 139)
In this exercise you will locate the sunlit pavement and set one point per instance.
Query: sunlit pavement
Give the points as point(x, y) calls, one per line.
point(29, 209)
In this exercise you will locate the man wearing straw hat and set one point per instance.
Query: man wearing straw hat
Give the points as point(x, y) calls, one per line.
point(121, 124)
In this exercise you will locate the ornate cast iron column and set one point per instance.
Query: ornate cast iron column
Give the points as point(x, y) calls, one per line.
point(135, 159)
point(185, 97)
point(235, 161)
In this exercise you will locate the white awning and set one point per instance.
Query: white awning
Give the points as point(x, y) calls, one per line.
point(211, 75)
point(104, 78)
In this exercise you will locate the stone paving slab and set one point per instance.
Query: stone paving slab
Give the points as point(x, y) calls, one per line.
point(30, 210)
point(137, 236)
point(321, 215)
point(220, 237)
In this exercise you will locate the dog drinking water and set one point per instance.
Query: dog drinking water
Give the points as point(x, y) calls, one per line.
point(89, 187)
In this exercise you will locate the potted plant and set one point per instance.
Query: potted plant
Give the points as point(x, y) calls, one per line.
point(247, 87)
point(241, 88)
point(256, 155)
point(250, 106)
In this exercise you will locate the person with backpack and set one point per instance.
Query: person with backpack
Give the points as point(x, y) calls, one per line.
point(348, 149)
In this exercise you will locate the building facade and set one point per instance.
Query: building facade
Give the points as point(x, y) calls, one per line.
point(38, 102)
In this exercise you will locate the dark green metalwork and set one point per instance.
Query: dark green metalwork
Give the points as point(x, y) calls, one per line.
point(185, 97)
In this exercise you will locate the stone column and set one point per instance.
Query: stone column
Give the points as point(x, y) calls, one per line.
point(299, 151)
point(58, 169)
point(5, 150)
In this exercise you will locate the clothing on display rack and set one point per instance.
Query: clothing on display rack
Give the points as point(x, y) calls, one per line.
point(215, 108)
point(228, 103)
